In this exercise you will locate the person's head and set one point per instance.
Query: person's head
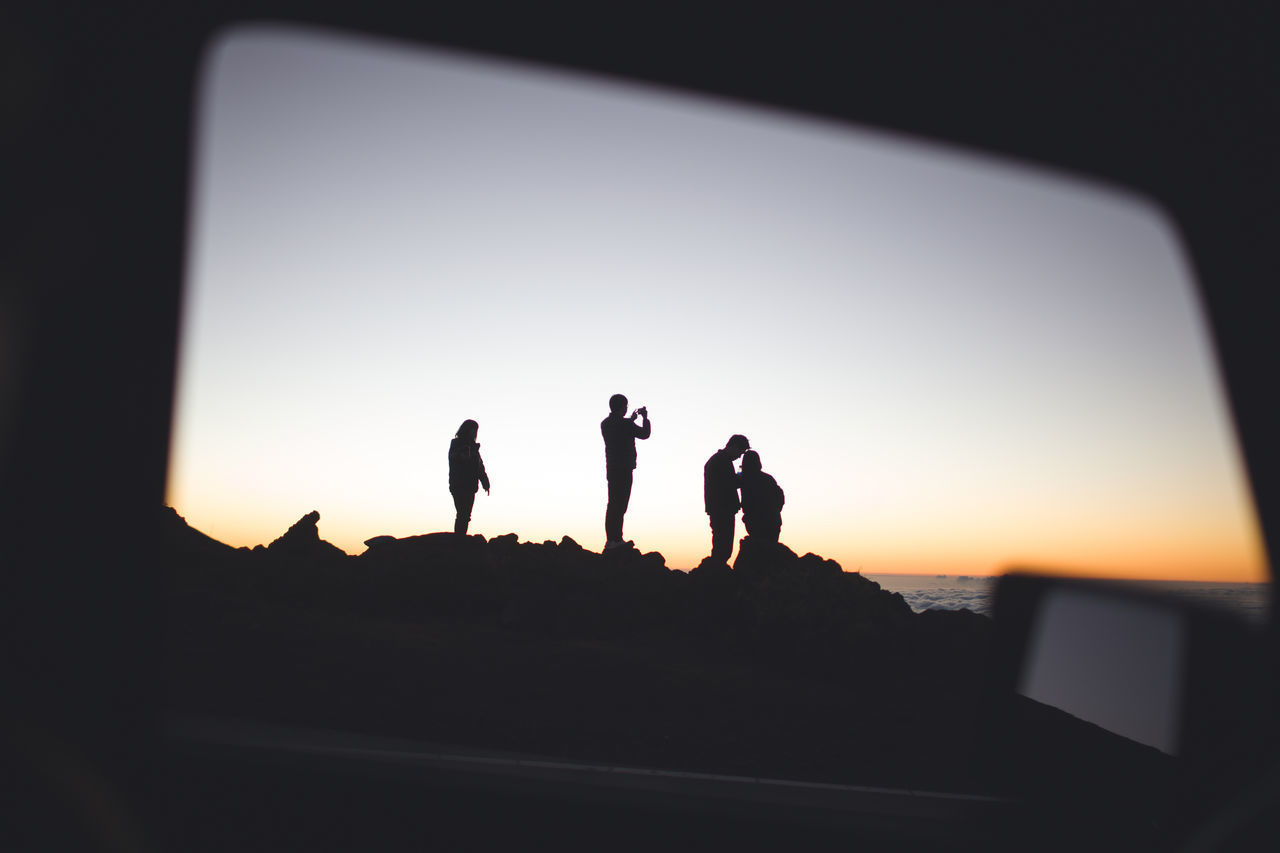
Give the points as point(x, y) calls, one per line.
point(618, 404)
point(751, 462)
point(737, 445)
point(468, 430)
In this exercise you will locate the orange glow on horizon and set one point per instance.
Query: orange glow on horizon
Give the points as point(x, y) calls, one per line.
point(684, 548)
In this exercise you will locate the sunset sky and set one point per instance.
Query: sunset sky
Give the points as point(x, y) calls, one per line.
point(952, 364)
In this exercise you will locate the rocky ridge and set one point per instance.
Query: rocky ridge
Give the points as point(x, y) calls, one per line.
point(782, 665)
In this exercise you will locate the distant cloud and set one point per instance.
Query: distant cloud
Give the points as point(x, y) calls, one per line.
point(976, 598)
point(963, 592)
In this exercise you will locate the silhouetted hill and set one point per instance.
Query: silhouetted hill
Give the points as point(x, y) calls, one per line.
point(784, 666)
point(773, 602)
point(184, 544)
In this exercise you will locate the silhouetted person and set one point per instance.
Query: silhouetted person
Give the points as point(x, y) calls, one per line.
point(762, 500)
point(620, 433)
point(466, 473)
point(720, 495)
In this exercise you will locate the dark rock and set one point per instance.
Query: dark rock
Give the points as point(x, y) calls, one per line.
point(709, 568)
point(630, 560)
point(759, 558)
point(443, 552)
point(181, 542)
point(302, 541)
point(956, 634)
point(653, 562)
point(798, 614)
point(304, 529)
point(379, 541)
point(815, 565)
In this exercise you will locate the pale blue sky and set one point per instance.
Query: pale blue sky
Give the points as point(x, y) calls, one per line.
point(943, 358)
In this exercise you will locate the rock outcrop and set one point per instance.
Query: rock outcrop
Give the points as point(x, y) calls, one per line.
point(801, 613)
point(302, 541)
point(782, 666)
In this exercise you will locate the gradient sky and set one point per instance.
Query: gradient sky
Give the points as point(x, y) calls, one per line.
point(950, 363)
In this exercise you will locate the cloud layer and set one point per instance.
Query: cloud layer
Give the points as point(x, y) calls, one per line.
point(961, 592)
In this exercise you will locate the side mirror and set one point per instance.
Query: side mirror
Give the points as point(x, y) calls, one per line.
point(1119, 708)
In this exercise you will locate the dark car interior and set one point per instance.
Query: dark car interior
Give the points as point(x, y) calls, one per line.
point(1176, 104)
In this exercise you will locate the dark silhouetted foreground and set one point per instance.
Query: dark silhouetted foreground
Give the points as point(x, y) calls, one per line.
point(784, 666)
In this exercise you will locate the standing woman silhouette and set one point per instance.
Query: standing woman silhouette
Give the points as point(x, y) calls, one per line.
point(466, 473)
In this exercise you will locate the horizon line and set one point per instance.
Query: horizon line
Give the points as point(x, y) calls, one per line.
point(1082, 574)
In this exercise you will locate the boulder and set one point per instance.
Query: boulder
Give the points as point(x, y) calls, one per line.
point(441, 552)
point(379, 541)
point(302, 541)
point(758, 558)
point(710, 568)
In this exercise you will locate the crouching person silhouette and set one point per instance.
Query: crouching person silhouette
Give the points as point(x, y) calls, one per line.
point(466, 473)
point(762, 500)
point(720, 495)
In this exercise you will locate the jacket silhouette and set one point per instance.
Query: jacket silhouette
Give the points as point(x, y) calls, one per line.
point(466, 473)
point(720, 495)
point(620, 434)
point(762, 500)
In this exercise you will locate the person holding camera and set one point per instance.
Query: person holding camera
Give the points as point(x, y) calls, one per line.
point(620, 433)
